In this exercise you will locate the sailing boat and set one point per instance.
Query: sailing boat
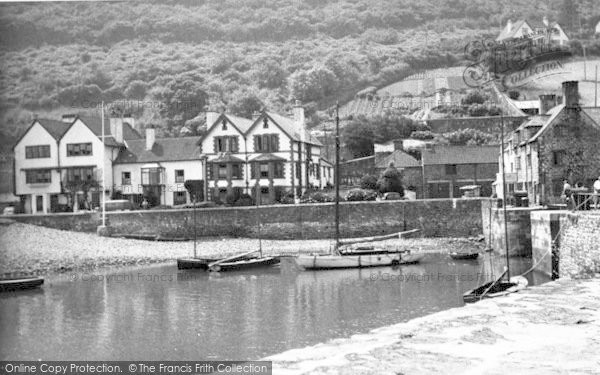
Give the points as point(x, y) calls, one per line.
point(499, 287)
point(366, 256)
point(195, 262)
point(247, 260)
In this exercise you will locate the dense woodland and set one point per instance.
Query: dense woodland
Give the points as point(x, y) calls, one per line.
point(178, 56)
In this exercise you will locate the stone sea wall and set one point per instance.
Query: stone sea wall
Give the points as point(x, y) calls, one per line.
point(580, 244)
point(437, 218)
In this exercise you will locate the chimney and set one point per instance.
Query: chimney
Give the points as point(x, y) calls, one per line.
point(571, 94)
point(509, 25)
point(116, 128)
point(398, 144)
point(69, 118)
point(150, 138)
point(211, 118)
point(547, 102)
point(299, 120)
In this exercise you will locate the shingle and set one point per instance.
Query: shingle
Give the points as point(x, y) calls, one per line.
point(400, 159)
point(95, 125)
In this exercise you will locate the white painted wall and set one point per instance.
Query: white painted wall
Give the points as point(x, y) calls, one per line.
point(192, 171)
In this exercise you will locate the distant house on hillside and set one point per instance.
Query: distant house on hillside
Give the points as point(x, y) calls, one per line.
point(598, 28)
point(559, 144)
point(539, 32)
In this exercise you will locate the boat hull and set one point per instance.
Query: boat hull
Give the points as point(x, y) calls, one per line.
point(323, 262)
point(13, 285)
point(195, 263)
point(500, 289)
point(464, 256)
point(245, 264)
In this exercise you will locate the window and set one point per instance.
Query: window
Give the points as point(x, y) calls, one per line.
point(226, 144)
point(518, 163)
point(152, 176)
point(79, 149)
point(80, 174)
point(222, 171)
point(126, 178)
point(179, 176)
point(278, 169)
point(179, 197)
point(224, 125)
point(37, 152)
point(236, 171)
point(265, 123)
point(38, 176)
point(264, 170)
point(451, 169)
point(266, 143)
point(264, 190)
point(558, 157)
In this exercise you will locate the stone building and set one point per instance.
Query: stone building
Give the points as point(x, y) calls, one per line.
point(560, 144)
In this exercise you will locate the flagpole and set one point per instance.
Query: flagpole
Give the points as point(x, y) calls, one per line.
point(103, 172)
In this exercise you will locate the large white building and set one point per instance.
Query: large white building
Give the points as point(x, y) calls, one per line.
point(59, 165)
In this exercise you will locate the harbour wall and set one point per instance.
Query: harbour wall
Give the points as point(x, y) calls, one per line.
point(436, 217)
point(518, 224)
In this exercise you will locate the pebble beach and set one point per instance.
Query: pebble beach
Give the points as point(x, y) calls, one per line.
point(33, 250)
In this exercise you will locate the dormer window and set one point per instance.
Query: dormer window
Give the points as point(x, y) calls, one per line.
point(224, 125)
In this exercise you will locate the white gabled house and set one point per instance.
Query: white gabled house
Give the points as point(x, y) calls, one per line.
point(266, 157)
point(52, 157)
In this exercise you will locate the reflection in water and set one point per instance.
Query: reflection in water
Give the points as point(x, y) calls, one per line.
point(162, 313)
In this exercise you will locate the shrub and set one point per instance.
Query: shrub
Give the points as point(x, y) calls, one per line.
point(244, 200)
point(316, 197)
point(474, 97)
point(356, 195)
point(391, 181)
point(368, 182)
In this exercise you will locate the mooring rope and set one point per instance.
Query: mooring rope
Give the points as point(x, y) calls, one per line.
point(552, 247)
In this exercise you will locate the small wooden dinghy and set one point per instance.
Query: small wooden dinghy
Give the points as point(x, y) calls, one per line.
point(195, 263)
point(324, 262)
point(495, 289)
point(15, 284)
point(463, 256)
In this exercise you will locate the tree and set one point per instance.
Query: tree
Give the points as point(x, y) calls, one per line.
point(195, 188)
point(391, 181)
point(474, 97)
point(368, 182)
point(358, 137)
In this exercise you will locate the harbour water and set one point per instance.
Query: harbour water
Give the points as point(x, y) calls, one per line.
point(159, 312)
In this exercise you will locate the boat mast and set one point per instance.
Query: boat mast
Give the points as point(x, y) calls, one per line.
point(258, 195)
point(195, 231)
point(504, 198)
point(337, 175)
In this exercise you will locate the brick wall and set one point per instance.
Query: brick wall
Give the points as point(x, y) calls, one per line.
point(439, 217)
point(580, 245)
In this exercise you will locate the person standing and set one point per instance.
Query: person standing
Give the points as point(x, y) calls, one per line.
point(566, 193)
point(596, 192)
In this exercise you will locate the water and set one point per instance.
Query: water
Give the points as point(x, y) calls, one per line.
point(159, 312)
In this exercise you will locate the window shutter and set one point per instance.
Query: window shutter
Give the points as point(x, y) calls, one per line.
point(216, 144)
point(274, 142)
point(252, 170)
point(234, 144)
point(267, 142)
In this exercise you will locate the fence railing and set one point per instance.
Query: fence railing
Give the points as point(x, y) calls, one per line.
point(586, 201)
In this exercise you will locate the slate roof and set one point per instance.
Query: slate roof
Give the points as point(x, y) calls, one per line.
point(226, 158)
point(56, 128)
point(95, 125)
point(593, 113)
point(506, 34)
point(164, 149)
point(441, 154)
point(243, 124)
point(400, 159)
point(289, 126)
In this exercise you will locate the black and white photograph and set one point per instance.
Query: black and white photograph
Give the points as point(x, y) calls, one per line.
point(285, 187)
